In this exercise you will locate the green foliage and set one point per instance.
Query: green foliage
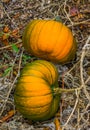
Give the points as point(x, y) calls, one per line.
point(25, 58)
point(7, 71)
point(15, 48)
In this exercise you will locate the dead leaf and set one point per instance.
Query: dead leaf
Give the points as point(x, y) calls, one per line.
point(15, 33)
point(5, 36)
point(8, 116)
point(6, 29)
point(5, 42)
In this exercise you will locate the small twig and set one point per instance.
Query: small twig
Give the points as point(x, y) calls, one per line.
point(5, 47)
point(78, 118)
point(87, 80)
point(65, 4)
point(72, 67)
point(78, 23)
point(12, 84)
point(6, 12)
point(60, 90)
point(81, 69)
point(72, 110)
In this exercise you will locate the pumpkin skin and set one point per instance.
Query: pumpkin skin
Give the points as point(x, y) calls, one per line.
point(50, 40)
point(34, 96)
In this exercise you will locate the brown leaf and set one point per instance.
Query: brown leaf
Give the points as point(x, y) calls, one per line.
point(5, 42)
point(6, 29)
point(6, 117)
point(15, 33)
point(5, 36)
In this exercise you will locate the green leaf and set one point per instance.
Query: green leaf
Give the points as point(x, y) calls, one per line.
point(26, 58)
point(7, 71)
point(15, 48)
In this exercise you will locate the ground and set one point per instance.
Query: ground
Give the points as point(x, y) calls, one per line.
point(74, 112)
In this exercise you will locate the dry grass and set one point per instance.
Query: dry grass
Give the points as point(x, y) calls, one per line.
point(74, 113)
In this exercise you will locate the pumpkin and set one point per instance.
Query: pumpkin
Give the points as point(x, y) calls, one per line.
point(34, 96)
point(50, 40)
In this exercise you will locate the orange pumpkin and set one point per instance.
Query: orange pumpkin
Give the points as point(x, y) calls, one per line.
point(34, 96)
point(50, 40)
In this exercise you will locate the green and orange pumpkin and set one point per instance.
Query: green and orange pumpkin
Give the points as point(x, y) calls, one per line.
point(50, 40)
point(34, 96)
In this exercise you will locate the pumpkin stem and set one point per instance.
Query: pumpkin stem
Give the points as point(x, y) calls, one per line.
point(58, 19)
point(60, 90)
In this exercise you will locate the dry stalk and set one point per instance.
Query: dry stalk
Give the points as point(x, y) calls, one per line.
point(82, 22)
point(82, 86)
point(5, 47)
point(76, 102)
point(65, 4)
point(5, 11)
point(11, 85)
point(81, 68)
